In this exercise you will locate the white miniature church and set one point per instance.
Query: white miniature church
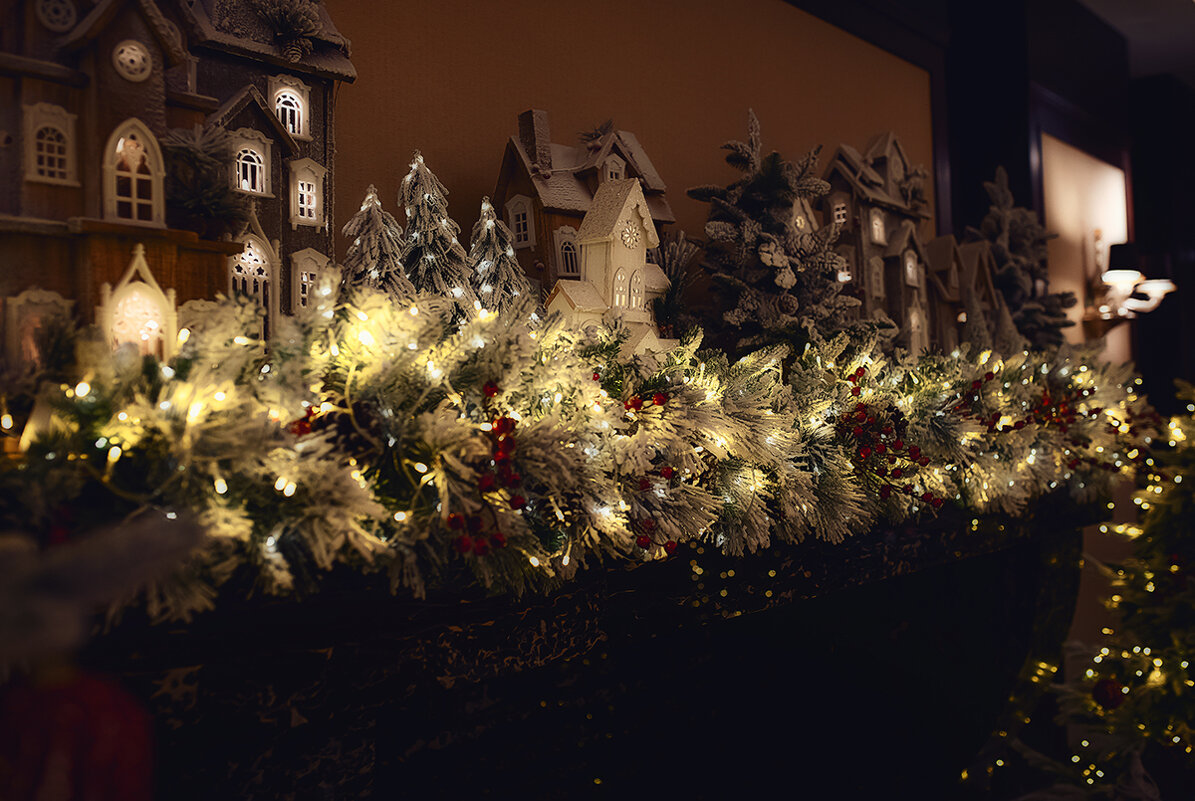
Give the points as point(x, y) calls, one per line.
point(616, 279)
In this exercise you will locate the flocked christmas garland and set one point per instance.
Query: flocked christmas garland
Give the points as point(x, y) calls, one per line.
point(387, 437)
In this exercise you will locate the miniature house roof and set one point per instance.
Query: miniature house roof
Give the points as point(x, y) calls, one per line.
point(905, 238)
point(581, 296)
point(943, 258)
point(249, 97)
point(860, 174)
point(164, 31)
point(613, 201)
point(979, 267)
point(233, 26)
point(560, 184)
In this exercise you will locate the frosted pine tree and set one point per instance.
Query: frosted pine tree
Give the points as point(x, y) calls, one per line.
point(433, 257)
point(374, 258)
point(498, 279)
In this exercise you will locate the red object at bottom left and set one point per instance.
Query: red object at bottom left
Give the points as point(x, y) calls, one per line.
point(73, 738)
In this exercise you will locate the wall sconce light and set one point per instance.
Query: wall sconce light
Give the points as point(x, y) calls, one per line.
point(1125, 292)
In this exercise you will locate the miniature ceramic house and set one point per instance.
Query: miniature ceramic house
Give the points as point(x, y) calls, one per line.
point(614, 276)
point(869, 198)
point(544, 191)
point(944, 271)
point(98, 84)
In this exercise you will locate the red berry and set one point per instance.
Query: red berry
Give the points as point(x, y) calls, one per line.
point(667, 472)
point(923, 461)
point(855, 391)
point(887, 429)
point(864, 452)
point(643, 541)
point(927, 496)
point(501, 456)
point(899, 445)
point(885, 492)
point(908, 489)
point(851, 378)
point(914, 452)
point(597, 376)
point(937, 502)
point(862, 371)
point(481, 546)
point(504, 425)
point(498, 539)
point(897, 472)
point(490, 389)
point(456, 521)
point(517, 502)
point(858, 431)
point(644, 484)
point(1018, 425)
point(881, 447)
point(659, 399)
point(989, 375)
point(860, 407)
point(881, 471)
point(670, 547)
point(463, 543)
point(485, 482)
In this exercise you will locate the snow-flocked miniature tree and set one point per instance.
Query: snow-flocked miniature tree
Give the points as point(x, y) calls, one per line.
point(779, 284)
point(498, 278)
point(374, 257)
point(1022, 275)
point(433, 257)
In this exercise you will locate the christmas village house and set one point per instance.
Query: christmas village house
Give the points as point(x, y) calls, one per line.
point(93, 89)
point(870, 199)
point(544, 191)
point(614, 278)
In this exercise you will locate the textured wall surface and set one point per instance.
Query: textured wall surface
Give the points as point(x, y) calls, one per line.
point(450, 77)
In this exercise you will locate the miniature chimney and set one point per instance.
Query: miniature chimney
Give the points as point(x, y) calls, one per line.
point(533, 134)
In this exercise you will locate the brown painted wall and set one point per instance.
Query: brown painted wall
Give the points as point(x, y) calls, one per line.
point(450, 77)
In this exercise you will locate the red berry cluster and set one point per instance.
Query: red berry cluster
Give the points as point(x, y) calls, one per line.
point(473, 539)
point(502, 448)
point(647, 527)
point(880, 448)
point(635, 402)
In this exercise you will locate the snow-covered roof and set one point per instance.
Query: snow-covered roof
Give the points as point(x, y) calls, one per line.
point(105, 11)
point(856, 169)
point(975, 257)
point(610, 204)
point(579, 295)
point(233, 26)
point(654, 278)
point(564, 188)
point(903, 238)
point(250, 96)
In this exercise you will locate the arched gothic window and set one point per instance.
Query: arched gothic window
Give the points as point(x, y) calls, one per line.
point(252, 274)
point(251, 171)
point(637, 290)
point(289, 108)
point(133, 176)
point(620, 288)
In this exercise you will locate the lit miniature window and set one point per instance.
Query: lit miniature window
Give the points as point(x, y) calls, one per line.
point(138, 318)
point(875, 279)
point(877, 226)
point(135, 180)
point(289, 109)
point(132, 60)
point(637, 290)
point(306, 287)
point(912, 272)
point(620, 289)
point(307, 200)
point(251, 273)
point(840, 213)
point(251, 171)
point(57, 15)
point(568, 259)
point(614, 169)
point(519, 225)
point(50, 153)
